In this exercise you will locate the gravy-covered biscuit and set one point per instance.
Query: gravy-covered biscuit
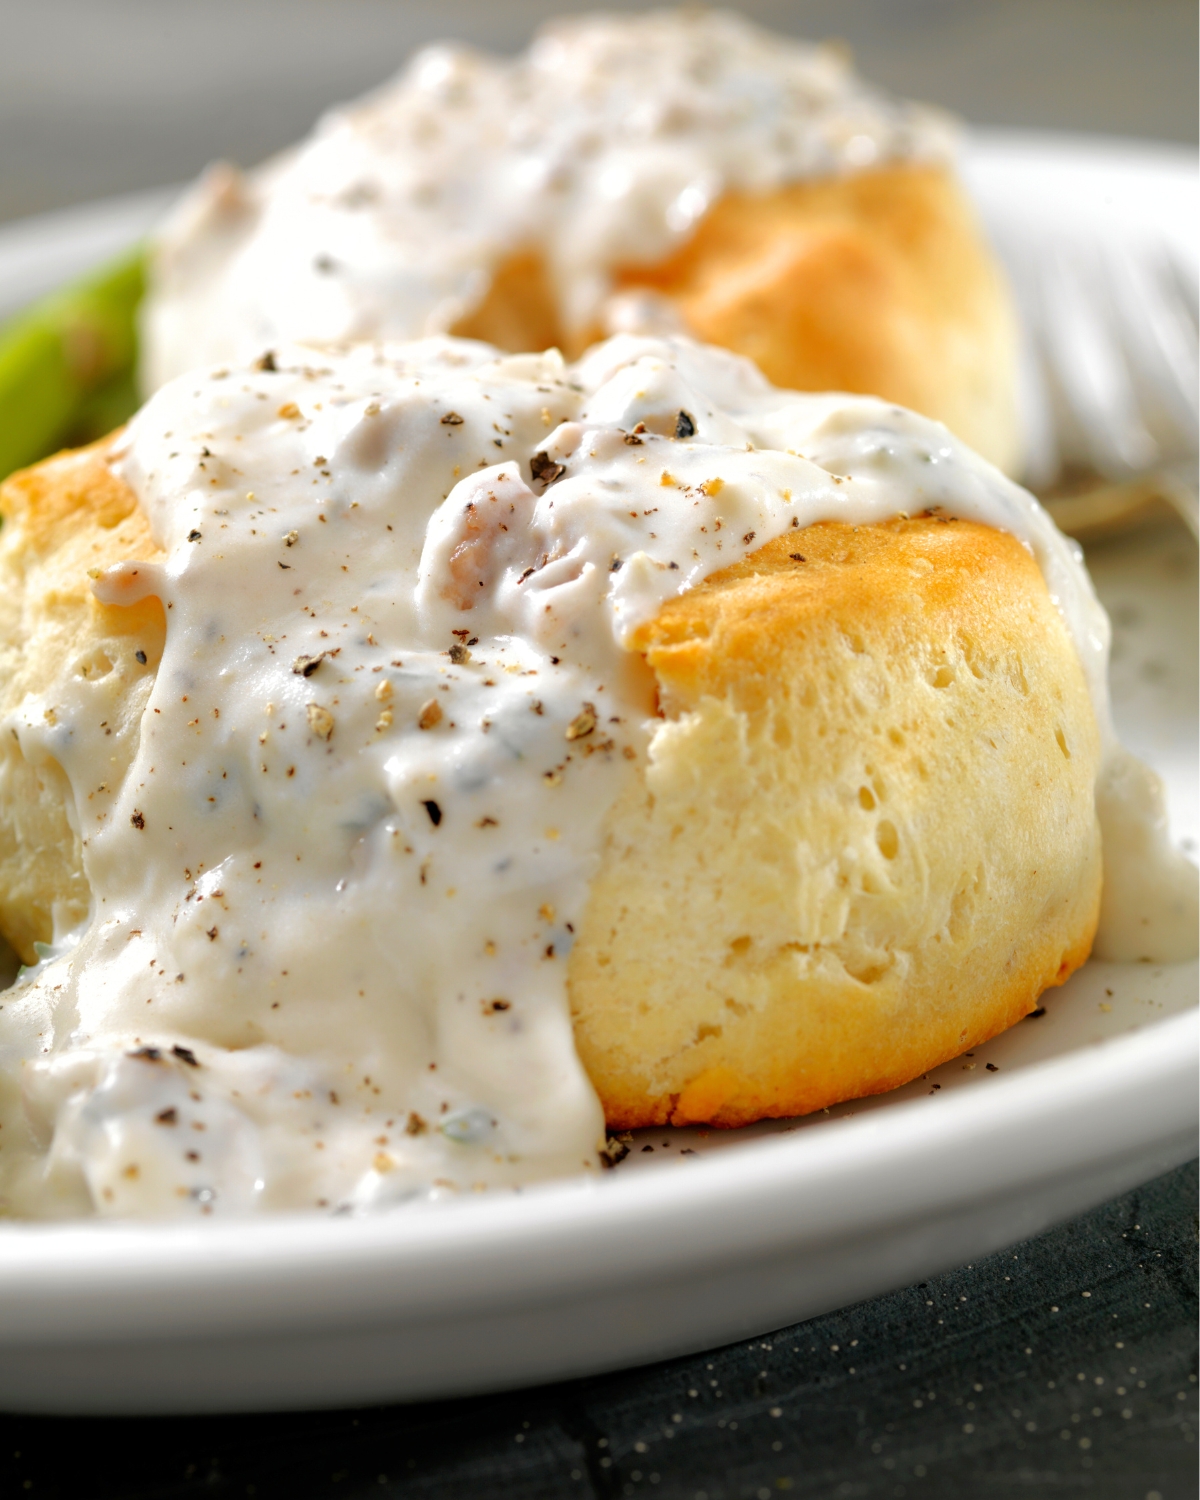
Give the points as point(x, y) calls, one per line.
point(414, 757)
point(672, 171)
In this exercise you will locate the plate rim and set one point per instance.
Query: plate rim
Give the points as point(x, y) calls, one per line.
point(82, 1279)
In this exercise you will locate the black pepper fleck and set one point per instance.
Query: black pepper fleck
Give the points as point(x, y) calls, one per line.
point(544, 469)
point(614, 1150)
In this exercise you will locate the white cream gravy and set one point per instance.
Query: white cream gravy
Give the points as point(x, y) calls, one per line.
point(333, 899)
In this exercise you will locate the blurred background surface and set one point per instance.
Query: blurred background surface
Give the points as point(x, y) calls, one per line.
point(108, 96)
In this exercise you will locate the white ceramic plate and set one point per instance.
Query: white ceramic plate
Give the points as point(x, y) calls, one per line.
point(697, 1238)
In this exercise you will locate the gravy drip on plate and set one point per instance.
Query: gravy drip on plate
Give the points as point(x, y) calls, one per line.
point(333, 898)
point(604, 144)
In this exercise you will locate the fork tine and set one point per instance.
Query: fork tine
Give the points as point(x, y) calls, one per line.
point(1042, 458)
point(1175, 323)
point(1099, 411)
point(1158, 342)
point(1182, 277)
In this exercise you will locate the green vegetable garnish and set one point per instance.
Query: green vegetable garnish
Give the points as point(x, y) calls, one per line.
point(67, 364)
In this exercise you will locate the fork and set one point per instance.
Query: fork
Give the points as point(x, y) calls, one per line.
point(1105, 278)
point(1111, 374)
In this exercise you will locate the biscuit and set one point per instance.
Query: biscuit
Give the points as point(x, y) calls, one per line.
point(62, 518)
point(866, 840)
point(876, 282)
point(661, 173)
point(830, 877)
